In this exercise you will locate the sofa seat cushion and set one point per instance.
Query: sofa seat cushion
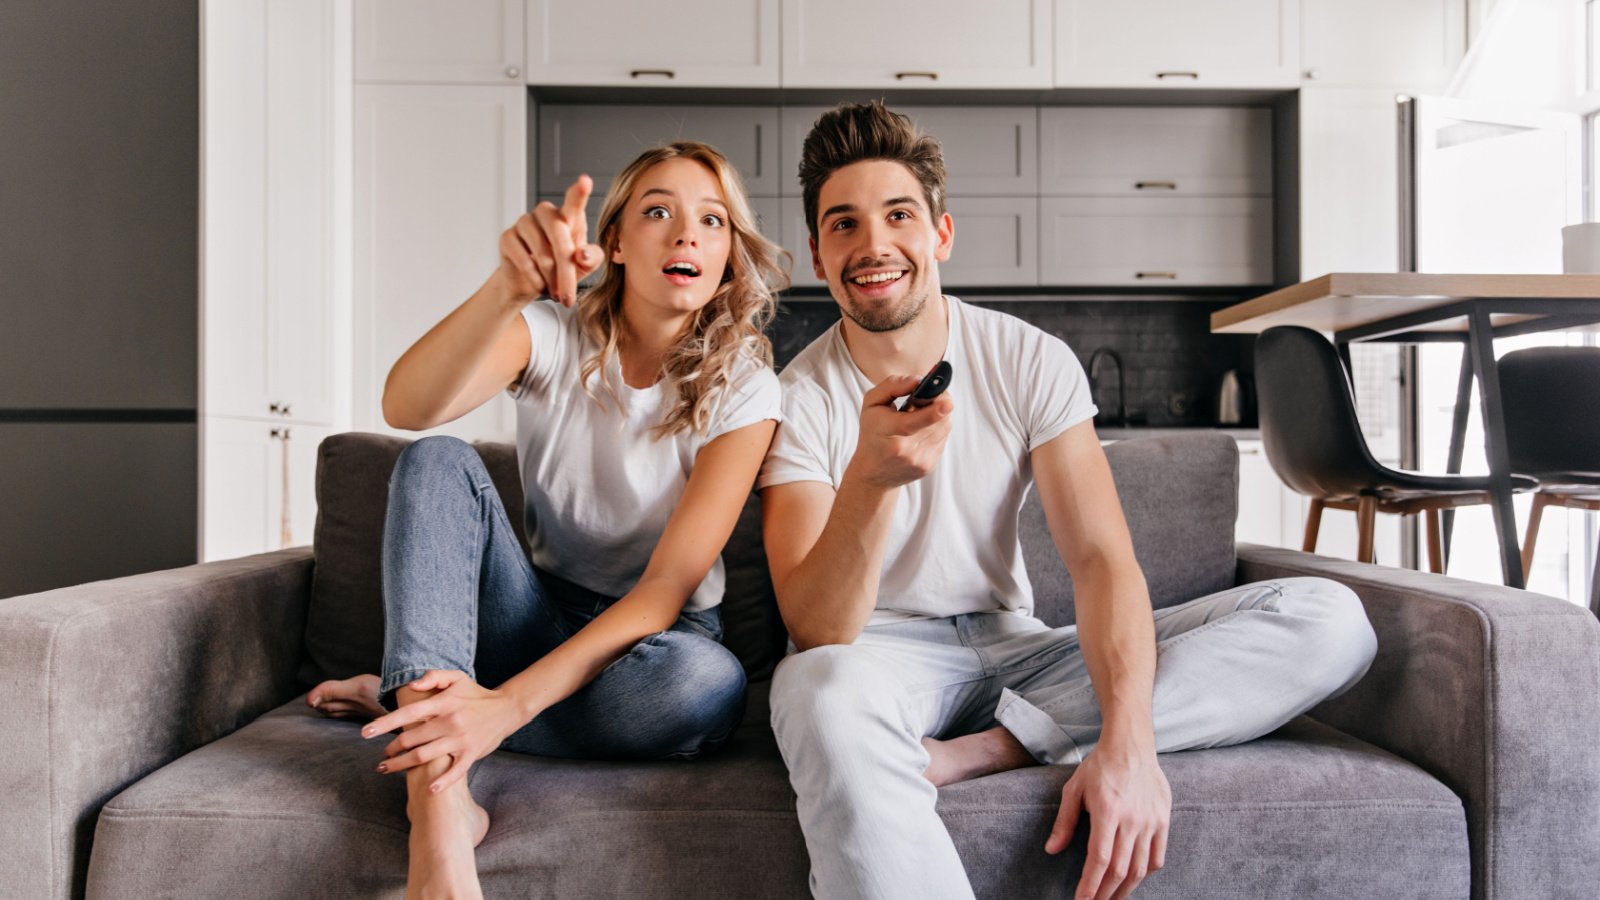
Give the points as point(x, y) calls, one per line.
point(290, 806)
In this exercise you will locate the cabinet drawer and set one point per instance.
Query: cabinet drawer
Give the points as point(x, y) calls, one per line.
point(1154, 241)
point(702, 43)
point(912, 44)
point(987, 150)
point(1155, 151)
point(600, 140)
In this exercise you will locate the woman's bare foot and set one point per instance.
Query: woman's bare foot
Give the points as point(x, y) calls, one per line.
point(445, 827)
point(974, 756)
point(349, 698)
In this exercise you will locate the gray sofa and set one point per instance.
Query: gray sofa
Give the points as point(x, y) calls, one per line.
point(159, 744)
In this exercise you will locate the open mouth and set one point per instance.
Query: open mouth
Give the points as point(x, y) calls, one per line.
point(877, 279)
point(681, 271)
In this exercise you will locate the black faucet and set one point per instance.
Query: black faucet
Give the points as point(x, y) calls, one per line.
point(1094, 362)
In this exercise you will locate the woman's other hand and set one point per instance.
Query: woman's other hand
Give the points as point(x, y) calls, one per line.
point(462, 719)
point(546, 252)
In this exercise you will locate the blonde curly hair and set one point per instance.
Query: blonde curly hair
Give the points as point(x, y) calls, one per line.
point(728, 329)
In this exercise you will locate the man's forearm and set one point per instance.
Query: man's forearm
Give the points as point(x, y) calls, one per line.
point(1117, 634)
point(829, 597)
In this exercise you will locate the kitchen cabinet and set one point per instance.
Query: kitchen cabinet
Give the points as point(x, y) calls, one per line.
point(1270, 512)
point(1349, 181)
point(601, 139)
point(425, 42)
point(1155, 242)
point(262, 494)
point(695, 43)
point(1180, 44)
point(1155, 151)
point(440, 173)
point(916, 44)
point(1376, 43)
point(268, 290)
point(989, 151)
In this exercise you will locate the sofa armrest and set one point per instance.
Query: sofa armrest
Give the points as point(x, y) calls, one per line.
point(1494, 691)
point(106, 682)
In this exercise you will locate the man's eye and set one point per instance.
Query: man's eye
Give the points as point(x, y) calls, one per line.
point(899, 214)
point(841, 224)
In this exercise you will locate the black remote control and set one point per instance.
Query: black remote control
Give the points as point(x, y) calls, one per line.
point(931, 386)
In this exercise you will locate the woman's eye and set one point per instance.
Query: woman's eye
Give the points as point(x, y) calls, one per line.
point(714, 220)
point(658, 212)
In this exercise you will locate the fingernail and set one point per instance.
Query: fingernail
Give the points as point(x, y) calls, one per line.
point(383, 767)
point(433, 789)
point(367, 731)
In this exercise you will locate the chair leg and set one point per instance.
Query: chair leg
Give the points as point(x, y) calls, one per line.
point(1313, 524)
point(1366, 522)
point(1539, 503)
point(1435, 544)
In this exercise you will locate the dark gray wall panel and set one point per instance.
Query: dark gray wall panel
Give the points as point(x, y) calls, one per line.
point(82, 502)
point(98, 225)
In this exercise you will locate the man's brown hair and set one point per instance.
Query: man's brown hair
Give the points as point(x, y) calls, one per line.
point(853, 132)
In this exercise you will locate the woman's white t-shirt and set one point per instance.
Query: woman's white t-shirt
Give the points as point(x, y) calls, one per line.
point(599, 488)
point(954, 545)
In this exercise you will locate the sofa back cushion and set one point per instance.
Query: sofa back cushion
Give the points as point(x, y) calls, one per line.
point(1179, 495)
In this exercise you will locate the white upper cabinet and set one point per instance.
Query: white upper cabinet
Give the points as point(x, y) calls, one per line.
point(440, 174)
point(1409, 44)
point(1177, 43)
point(916, 43)
point(696, 43)
point(428, 42)
point(267, 213)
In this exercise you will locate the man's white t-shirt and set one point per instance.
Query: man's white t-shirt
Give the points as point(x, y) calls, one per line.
point(599, 487)
point(954, 544)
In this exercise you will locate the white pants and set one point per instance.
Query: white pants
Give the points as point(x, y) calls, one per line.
point(850, 718)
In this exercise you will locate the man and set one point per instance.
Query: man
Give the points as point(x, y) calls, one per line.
point(892, 538)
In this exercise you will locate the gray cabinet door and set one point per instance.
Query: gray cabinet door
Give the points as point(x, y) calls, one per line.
point(1155, 151)
point(992, 151)
point(601, 139)
point(996, 243)
point(1154, 241)
point(796, 239)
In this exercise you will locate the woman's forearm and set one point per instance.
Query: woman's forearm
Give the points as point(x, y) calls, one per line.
point(428, 377)
point(647, 609)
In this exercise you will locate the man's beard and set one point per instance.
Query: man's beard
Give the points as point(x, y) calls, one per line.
point(881, 318)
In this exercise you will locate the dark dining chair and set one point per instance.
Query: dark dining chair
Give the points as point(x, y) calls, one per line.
point(1314, 443)
point(1551, 397)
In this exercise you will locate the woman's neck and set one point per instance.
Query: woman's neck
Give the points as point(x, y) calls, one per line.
point(646, 337)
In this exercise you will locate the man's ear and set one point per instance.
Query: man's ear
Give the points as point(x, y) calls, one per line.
point(816, 261)
point(947, 238)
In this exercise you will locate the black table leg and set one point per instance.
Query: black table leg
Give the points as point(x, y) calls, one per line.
point(1458, 440)
point(1494, 439)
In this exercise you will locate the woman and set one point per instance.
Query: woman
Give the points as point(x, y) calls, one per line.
point(642, 417)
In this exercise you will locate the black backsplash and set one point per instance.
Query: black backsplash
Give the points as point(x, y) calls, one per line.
point(1173, 362)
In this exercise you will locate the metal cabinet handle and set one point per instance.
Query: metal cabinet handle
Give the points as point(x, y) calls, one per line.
point(1312, 74)
point(1194, 75)
point(665, 73)
point(281, 409)
point(902, 76)
point(1155, 185)
point(280, 434)
point(1156, 275)
point(513, 72)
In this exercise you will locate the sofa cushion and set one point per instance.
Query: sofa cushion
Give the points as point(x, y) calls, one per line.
point(290, 806)
point(344, 624)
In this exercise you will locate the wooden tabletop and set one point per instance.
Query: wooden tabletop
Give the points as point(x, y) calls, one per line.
point(1346, 300)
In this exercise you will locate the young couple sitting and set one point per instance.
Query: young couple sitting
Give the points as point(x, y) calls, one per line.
point(647, 407)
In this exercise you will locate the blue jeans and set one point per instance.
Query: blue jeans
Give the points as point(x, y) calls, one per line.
point(460, 593)
point(850, 718)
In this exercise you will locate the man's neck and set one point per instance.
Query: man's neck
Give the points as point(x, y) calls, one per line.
point(912, 349)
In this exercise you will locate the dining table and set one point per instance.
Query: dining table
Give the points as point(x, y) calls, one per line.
point(1418, 308)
